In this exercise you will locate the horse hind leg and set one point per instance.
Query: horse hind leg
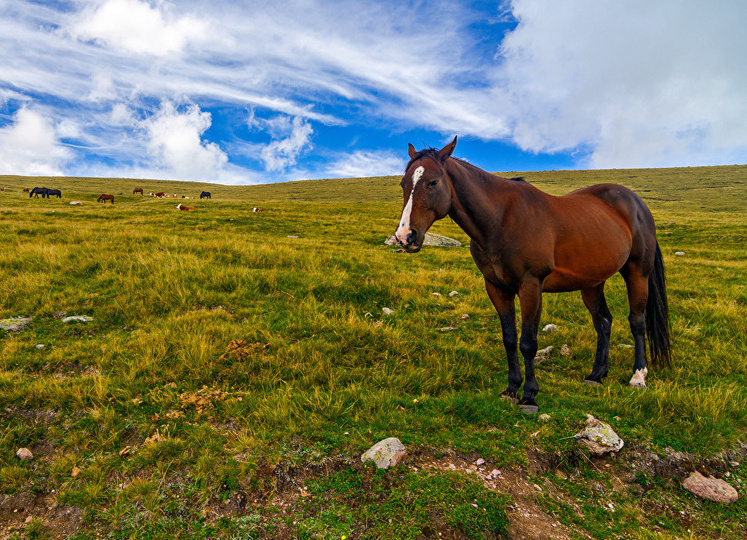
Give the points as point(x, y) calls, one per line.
point(602, 318)
point(637, 285)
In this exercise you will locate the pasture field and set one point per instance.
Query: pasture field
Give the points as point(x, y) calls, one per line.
point(237, 364)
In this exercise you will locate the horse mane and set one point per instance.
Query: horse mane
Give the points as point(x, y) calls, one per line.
point(432, 153)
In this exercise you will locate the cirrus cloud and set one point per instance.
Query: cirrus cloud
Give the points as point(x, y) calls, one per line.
point(139, 27)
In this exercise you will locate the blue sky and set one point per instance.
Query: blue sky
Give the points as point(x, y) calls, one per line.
point(267, 91)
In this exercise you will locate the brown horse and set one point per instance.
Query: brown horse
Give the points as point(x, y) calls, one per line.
point(526, 242)
point(137, 190)
point(105, 197)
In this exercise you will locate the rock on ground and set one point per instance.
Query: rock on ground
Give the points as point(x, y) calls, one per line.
point(24, 454)
point(77, 318)
point(713, 489)
point(14, 323)
point(599, 437)
point(430, 240)
point(386, 453)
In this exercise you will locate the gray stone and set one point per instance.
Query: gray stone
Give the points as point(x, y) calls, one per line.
point(599, 437)
point(14, 324)
point(24, 454)
point(76, 203)
point(713, 489)
point(549, 328)
point(77, 318)
point(386, 453)
point(430, 240)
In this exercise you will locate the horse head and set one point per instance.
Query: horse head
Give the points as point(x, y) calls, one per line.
point(426, 191)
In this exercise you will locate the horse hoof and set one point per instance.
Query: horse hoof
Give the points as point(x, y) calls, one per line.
point(510, 396)
point(528, 406)
point(591, 382)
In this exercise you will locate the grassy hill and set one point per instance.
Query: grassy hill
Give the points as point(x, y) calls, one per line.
point(237, 364)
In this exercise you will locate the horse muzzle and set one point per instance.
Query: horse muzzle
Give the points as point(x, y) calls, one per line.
point(408, 239)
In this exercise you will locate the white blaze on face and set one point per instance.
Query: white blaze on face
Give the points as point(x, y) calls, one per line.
point(639, 378)
point(404, 223)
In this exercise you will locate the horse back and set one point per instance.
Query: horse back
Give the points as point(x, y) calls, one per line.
point(598, 229)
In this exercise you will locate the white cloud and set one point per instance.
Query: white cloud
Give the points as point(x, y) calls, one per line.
point(121, 115)
point(175, 141)
point(620, 83)
point(284, 152)
point(639, 83)
point(367, 163)
point(30, 146)
point(139, 27)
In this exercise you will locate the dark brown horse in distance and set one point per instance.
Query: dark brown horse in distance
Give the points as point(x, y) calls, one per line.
point(137, 190)
point(105, 197)
point(526, 242)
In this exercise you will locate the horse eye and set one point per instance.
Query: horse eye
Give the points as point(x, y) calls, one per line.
point(433, 183)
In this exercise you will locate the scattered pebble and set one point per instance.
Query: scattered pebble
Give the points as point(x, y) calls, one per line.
point(40, 346)
point(387, 311)
point(679, 253)
point(24, 454)
point(549, 328)
point(565, 350)
point(453, 293)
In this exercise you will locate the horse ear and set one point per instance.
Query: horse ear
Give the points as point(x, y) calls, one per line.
point(411, 150)
point(446, 151)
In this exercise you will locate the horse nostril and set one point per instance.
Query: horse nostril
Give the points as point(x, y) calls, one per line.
point(412, 236)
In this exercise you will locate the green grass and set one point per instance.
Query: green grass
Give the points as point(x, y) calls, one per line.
point(225, 343)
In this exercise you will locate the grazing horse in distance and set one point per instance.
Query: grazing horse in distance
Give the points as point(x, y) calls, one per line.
point(56, 192)
point(105, 197)
point(526, 242)
point(180, 206)
point(160, 194)
point(38, 191)
point(205, 195)
point(137, 190)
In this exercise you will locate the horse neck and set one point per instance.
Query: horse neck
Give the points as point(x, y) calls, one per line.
point(473, 207)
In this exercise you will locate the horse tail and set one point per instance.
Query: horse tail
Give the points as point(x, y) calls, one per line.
point(657, 315)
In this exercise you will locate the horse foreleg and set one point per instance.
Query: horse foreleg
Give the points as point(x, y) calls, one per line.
point(530, 298)
point(504, 304)
point(602, 319)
